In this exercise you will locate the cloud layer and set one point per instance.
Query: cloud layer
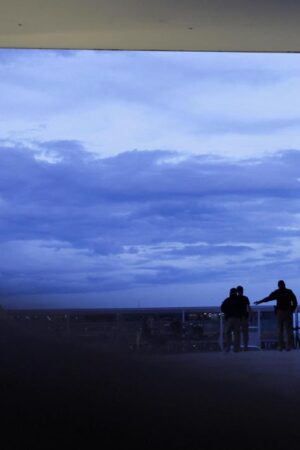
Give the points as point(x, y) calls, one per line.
point(231, 104)
point(74, 223)
point(147, 178)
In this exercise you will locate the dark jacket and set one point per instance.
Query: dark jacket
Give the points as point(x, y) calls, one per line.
point(232, 307)
point(245, 303)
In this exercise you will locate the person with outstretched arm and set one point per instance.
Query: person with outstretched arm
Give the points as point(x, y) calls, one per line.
point(285, 307)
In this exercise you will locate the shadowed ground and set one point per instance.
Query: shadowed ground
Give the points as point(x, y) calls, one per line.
point(57, 394)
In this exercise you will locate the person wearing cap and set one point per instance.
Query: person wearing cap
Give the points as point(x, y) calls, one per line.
point(285, 307)
point(245, 306)
point(232, 310)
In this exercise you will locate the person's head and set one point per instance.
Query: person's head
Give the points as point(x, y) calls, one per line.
point(281, 284)
point(240, 290)
point(232, 292)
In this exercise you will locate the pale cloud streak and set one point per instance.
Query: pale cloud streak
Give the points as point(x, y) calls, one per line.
point(235, 105)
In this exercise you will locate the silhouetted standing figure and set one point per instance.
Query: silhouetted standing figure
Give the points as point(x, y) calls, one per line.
point(286, 305)
point(233, 313)
point(245, 306)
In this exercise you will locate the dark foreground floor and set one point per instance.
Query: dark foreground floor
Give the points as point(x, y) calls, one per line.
point(56, 395)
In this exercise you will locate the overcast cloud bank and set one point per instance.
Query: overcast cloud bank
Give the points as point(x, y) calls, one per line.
point(72, 222)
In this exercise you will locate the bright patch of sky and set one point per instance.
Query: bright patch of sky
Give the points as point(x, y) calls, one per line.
point(228, 104)
point(147, 178)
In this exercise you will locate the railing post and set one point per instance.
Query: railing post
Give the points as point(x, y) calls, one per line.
point(68, 328)
point(221, 332)
point(297, 328)
point(118, 328)
point(259, 327)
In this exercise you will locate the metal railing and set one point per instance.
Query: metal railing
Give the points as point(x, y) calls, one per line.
point(152, 329)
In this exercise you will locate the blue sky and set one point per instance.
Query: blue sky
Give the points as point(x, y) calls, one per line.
point(147, 178)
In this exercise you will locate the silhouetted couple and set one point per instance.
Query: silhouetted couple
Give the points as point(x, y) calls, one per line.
point(285, 307)
point(236, 309)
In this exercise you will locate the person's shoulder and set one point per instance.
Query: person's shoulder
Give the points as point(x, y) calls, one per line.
point(290, 291)
point(226, 301)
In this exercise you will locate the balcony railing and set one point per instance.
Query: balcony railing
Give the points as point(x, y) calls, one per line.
point(152, 329)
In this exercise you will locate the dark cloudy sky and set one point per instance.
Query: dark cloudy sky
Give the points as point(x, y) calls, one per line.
point(147, 179)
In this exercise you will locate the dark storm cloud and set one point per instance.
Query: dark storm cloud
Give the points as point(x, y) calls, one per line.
point(73, 222)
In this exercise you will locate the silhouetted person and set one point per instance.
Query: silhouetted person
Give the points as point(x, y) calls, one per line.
point(286, 305)
point(232, 310)
point(245, 306)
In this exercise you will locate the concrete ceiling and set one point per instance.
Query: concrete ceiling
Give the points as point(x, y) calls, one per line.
point(210, 25)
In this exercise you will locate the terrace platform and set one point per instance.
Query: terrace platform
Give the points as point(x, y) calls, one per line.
point(56, 391)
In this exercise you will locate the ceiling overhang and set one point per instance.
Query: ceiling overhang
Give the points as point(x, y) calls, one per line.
point(199, 25)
